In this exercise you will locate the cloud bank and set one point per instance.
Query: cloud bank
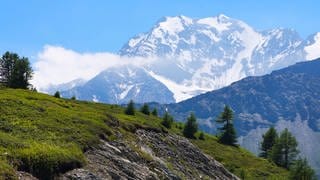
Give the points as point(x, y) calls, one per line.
point(56, 65)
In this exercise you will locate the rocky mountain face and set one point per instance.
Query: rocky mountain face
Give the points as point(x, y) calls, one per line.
point(121, 84)
point(162, 156)
point(287, 98)
point(194, 56)
point(156, 155)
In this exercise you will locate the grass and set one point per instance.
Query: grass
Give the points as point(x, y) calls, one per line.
point(45, 136)
point(239, 161)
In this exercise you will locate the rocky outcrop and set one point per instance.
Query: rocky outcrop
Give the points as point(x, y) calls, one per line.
point(150, 155)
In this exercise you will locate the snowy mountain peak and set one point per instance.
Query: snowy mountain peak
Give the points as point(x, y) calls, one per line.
point(193, 56)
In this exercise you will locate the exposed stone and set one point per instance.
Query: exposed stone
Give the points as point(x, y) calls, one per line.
point(151, 155)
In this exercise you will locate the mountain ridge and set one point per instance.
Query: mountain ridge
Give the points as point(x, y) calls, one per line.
point(193, 56)
point(286, 98)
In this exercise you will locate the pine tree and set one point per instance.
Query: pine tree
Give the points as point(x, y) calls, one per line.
point(167, 120)
point(190, 127)
point(300, 170)
point(155, 112)
point(57, 94)
point(130, 108)
point(228, 133)
point(284, 151)
point(145, 109)
point(268, 141)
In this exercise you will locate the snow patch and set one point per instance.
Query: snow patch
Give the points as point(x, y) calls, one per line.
point(126, 88)
point(172, 25)
point(313, 50)
point(178, 90)
point(215, 23)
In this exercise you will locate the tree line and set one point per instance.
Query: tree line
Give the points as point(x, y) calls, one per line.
point(227, 134)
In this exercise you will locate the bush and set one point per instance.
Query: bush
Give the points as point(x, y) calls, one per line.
point(201, 136)
point(57, 94)
point(46, 160)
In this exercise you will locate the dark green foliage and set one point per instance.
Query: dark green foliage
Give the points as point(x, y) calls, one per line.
point(155, 112)
point(15, 72)
point(130, 108)
point(201, 136)
point(190, 127)
point(268, 141)
point(145, 109)
point(285, 151)
point(45, 161)
point(228, 133)
point(167, 120)
point(300, 170)
point(73, 98)
point(57, 94)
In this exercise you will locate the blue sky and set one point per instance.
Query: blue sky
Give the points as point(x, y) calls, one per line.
point(105, 25)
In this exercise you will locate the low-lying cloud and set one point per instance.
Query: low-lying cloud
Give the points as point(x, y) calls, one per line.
point(56, 65)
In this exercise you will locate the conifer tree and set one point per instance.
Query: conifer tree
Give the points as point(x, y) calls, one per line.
point(284, 151)
point(155, 112)
point(130, 108)
point(145, 109)
point(268, 141)
point(228, 133)
point(301, 170)
point(167, 120)
point(191, 126)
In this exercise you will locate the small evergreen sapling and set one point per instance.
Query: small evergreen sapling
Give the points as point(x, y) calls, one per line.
point(155, 112)
point(228, 133)
point(190, 127)
point(167, 120)
point(130, 108)
point(145, 109)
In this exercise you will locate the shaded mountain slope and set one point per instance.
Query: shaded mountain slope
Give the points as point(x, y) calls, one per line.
point(287, 98)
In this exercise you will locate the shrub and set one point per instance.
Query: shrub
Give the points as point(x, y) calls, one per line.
point(57, 94)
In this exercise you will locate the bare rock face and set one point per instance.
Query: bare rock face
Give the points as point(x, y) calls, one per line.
point(150, 155)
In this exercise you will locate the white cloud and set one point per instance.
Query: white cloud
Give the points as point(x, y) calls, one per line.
point(56, 65)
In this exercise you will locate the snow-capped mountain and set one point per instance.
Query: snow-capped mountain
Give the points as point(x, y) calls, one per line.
point(213, 52)
point(64, 87)
point(120, 85)
point(199, 55)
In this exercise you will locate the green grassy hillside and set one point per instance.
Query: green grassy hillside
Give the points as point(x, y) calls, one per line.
point(46, 135)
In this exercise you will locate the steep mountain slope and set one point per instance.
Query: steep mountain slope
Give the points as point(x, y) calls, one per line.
point(285, 98)
point(48, 137)
point(194, 56)
point(213, 52)
point(121, 84)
